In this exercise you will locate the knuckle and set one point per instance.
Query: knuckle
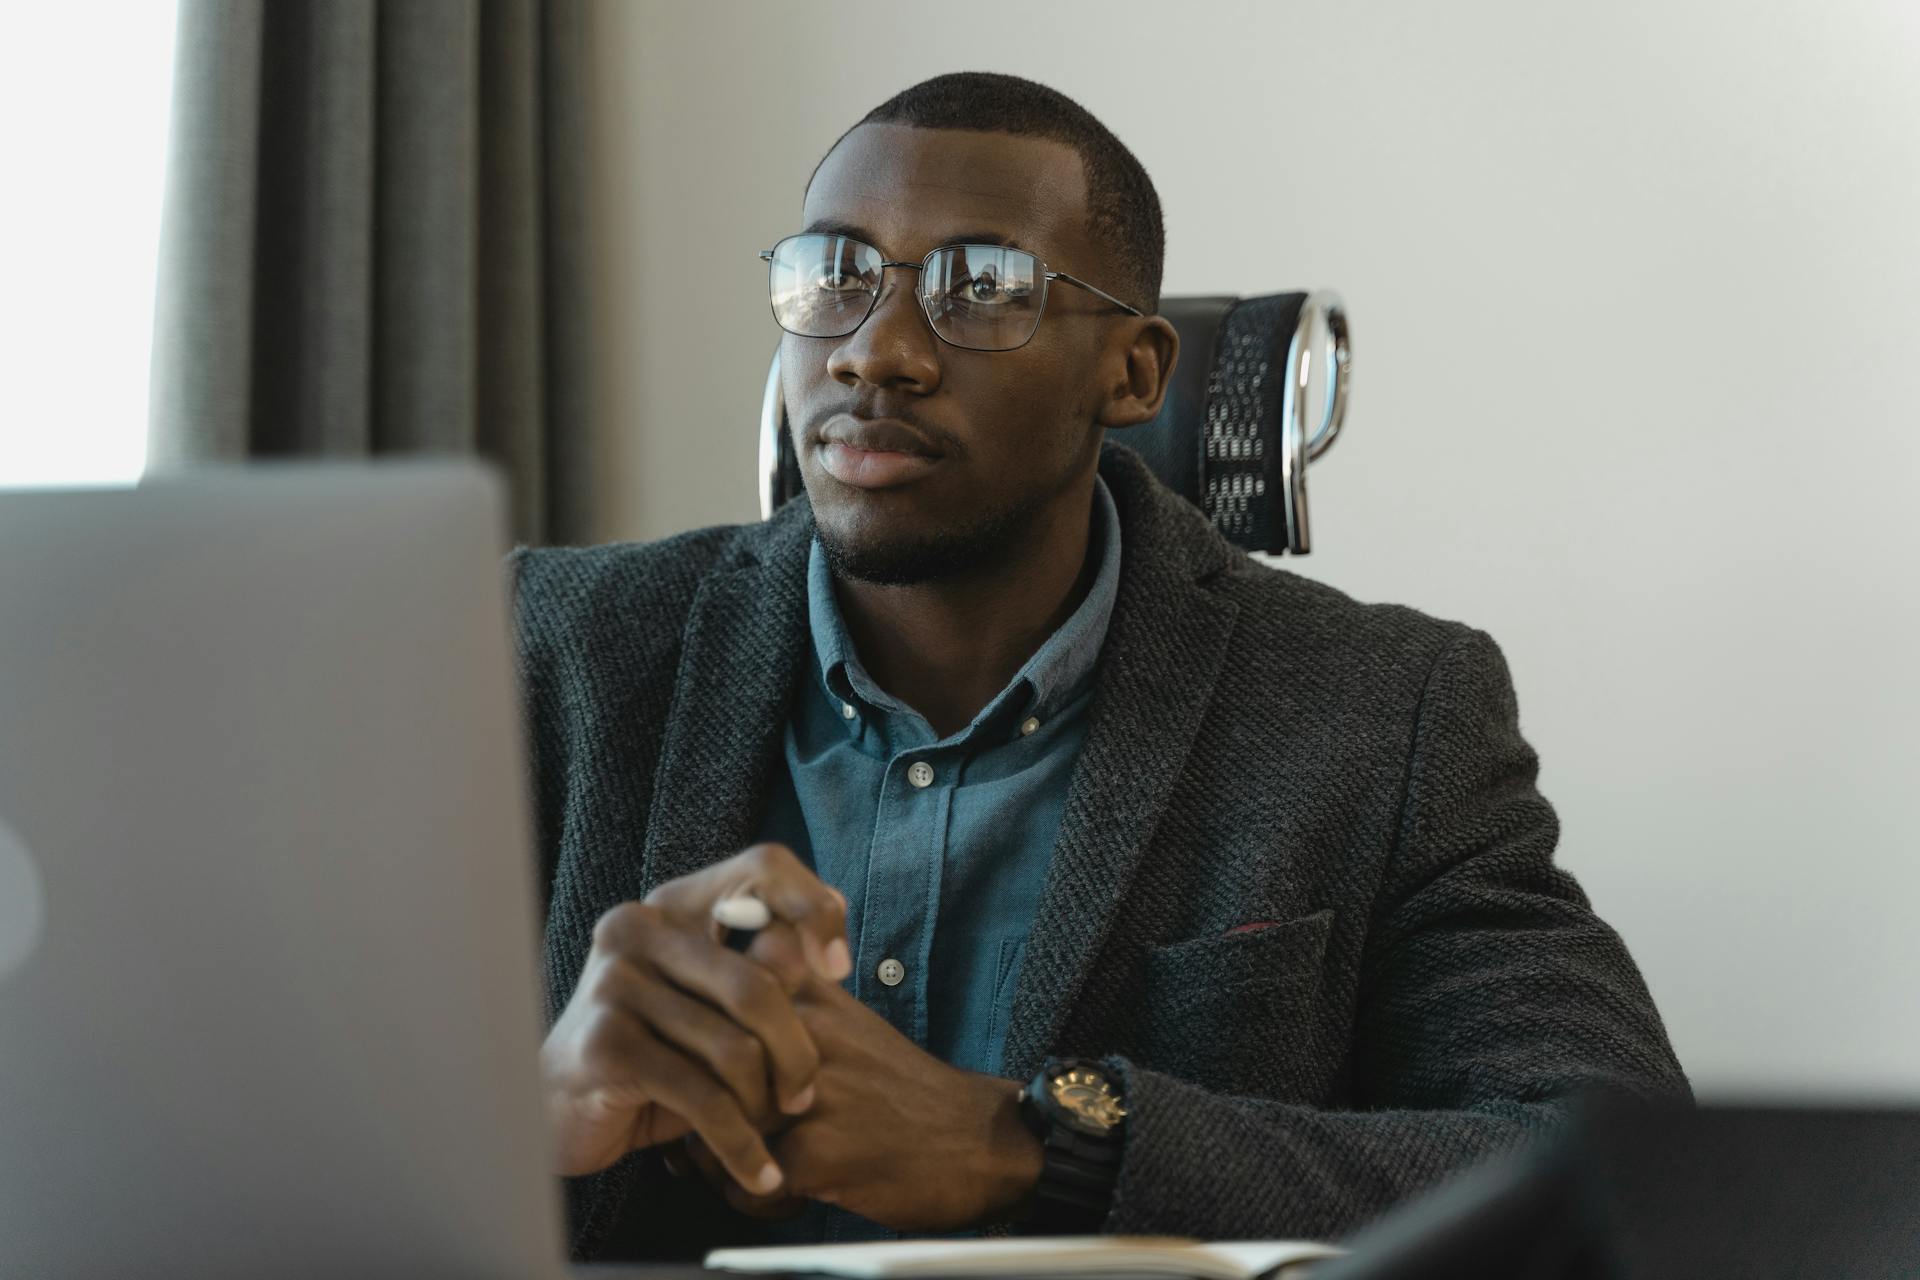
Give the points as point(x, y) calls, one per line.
point(620, 921)
point(602, 1024)
point(778, 948)
point(663, 896)
point(604, 983)
point(742, 1058)
point(771, 856)
point(753, 990)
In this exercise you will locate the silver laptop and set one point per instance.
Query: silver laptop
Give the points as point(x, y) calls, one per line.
point(267, 941)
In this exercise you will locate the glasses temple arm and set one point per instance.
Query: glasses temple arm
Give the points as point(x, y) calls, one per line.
point(1061, 275)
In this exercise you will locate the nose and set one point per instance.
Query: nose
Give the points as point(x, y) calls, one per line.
point(894, 346)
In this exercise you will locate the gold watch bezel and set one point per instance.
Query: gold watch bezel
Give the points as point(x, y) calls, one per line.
point(1086, 1100)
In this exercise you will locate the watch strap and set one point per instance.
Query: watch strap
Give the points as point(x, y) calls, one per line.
point(1078, 1173)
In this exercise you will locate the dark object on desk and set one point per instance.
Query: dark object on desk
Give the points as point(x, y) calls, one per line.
point(1506, 1220)
point(1636, 1192)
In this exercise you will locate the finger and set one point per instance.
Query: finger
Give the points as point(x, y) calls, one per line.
point(781, 1204)
point(682, 1086)
point(642, 934)
point(792, 955)
point(600, 1100)
point(776, 1207)
point(795, 894)
point(728, 1051)
point(789, 888)
point(590, 1069)
point(627, 930)
point(752, 997)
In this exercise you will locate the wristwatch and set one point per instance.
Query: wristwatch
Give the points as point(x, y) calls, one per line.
point(1074, 1106)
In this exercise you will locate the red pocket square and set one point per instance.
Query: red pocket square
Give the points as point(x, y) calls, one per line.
point(1251, 925)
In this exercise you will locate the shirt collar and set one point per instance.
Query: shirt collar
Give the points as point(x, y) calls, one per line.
point(1056, 672)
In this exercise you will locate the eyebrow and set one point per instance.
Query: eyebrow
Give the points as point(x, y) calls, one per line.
point(835, 227)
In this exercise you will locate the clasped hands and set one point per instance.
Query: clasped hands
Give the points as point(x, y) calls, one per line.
point(770, 1076)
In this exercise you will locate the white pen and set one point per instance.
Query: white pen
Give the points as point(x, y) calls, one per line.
point(741, 915)
point(741, 911)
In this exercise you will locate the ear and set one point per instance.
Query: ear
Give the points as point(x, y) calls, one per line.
point(1146, 370)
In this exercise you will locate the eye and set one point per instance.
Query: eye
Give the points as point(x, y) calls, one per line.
point(838, 280)
point(982, 288)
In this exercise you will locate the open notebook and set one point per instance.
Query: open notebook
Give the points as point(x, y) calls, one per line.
point(1154, 1256)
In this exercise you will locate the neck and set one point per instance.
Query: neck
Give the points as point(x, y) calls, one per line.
point(946, 648)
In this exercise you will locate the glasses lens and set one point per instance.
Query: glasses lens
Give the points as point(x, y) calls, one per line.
point(984, 296)
point(823, 286)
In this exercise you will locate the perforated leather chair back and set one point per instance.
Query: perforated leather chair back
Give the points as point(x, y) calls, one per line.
point(1232, 436)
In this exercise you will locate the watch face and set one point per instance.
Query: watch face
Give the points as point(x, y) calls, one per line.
point(1086, 1100)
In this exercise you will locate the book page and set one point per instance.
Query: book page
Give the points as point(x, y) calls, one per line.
point(1034, 1256)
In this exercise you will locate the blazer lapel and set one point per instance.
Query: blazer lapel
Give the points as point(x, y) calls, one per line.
point(745, 638)
point(1165, 646)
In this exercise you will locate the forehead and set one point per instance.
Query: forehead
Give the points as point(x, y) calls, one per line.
point(910, 190)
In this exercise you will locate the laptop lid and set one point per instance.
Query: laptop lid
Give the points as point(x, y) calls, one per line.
point(268, 974)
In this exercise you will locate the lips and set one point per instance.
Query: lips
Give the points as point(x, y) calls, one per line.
point(877, 435)
point(875, 453)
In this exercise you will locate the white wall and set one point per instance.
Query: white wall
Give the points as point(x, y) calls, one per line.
point(1636, 299)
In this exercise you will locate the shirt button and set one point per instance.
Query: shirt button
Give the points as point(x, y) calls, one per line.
point(1028, 725)
point(891, 971)
point(920, 775)
point(846, 711)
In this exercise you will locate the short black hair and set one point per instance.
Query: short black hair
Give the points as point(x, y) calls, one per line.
point(1125, 207)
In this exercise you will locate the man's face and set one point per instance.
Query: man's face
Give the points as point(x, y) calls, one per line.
point(1011, 433)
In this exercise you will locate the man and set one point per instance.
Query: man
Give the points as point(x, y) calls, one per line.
point(1040, 779)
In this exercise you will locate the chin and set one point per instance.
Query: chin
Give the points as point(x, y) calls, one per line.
point(895, 557)
point(887, 559)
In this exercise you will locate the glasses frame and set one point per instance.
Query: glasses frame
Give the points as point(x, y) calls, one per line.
point(873, 295)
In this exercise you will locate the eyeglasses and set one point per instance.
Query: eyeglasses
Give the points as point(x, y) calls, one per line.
point(984, 297)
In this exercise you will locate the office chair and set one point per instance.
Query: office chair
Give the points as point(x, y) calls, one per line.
point(1232, 435)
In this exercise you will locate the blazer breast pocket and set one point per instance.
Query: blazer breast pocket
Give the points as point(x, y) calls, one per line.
point(1236, 1012)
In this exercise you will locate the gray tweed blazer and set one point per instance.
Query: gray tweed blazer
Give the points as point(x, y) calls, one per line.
point(1261, 748)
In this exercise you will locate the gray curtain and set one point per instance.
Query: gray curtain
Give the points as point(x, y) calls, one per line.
point(372, 241)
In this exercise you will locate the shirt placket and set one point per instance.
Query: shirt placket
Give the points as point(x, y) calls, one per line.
point(903, 889)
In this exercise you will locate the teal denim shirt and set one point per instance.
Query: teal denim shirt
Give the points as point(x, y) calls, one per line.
point(941, 845)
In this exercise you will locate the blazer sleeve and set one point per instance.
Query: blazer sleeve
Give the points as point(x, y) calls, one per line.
point(1490, 996)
